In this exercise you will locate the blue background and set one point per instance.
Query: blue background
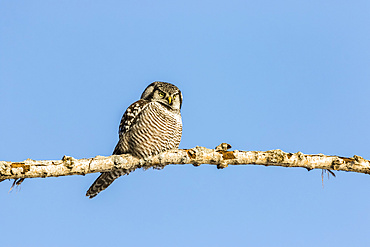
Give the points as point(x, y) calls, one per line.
point(260, 75)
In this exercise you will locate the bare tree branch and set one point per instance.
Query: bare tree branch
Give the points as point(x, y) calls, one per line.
point(196, 156)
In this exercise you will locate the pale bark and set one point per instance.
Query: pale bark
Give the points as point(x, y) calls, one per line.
point(196, 156)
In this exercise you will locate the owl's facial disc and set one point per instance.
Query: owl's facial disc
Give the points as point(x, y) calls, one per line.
point(171, 100)
point(165, 93)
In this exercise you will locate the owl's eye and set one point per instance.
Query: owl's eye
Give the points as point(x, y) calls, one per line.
point(161, 94)
point(174, 97)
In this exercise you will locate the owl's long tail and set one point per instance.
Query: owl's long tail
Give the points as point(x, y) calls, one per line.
point(104, 180)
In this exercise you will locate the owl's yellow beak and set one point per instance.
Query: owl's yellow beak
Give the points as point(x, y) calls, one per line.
point(169, 100)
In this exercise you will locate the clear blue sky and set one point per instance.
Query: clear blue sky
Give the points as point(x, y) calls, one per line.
point(260, 75)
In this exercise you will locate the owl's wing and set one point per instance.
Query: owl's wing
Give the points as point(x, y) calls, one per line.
point(130, 116)
point(128, 120)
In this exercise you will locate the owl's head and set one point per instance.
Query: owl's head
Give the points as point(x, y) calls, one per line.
point(164, 93)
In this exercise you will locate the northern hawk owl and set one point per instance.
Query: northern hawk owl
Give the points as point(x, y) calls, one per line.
point(149, 126)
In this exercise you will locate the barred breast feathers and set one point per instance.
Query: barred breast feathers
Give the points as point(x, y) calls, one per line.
point(148, 129)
